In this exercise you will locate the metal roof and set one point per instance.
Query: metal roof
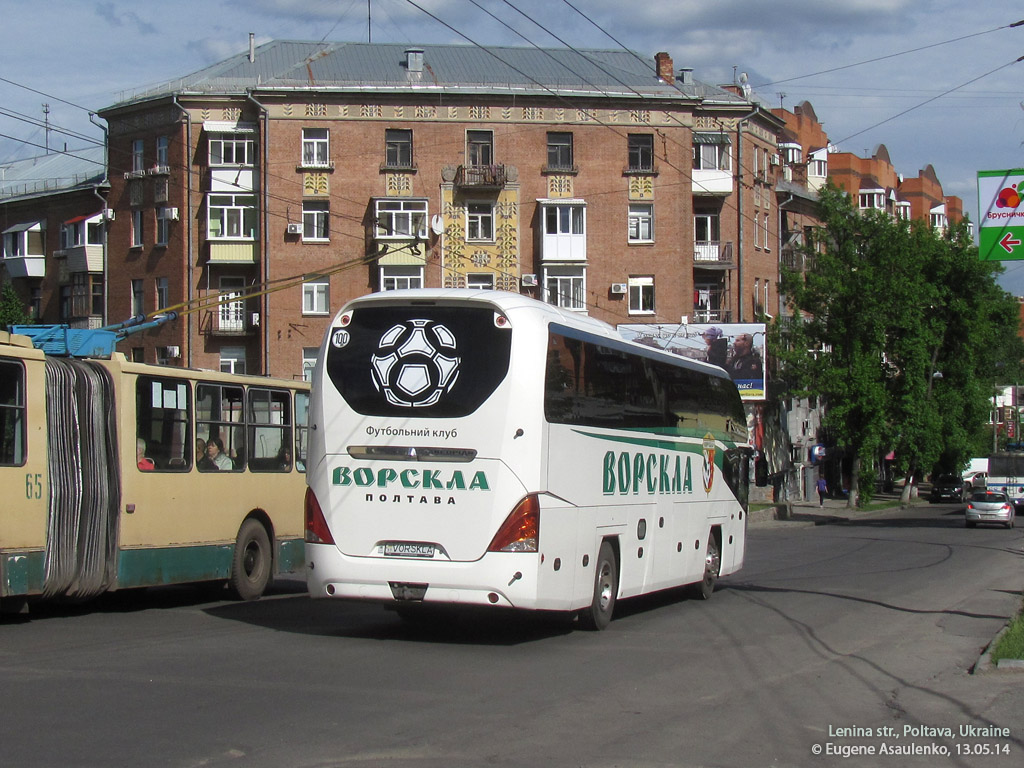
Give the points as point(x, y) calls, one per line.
point(53, 173)
point(288, 64)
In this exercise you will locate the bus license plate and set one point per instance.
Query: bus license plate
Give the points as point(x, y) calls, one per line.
point(407, 549)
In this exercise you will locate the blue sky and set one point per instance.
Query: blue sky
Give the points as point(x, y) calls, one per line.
point(934, 80)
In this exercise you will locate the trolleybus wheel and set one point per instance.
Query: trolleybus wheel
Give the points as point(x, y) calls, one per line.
point(606, 589)
point(704, 588)
point(251, 565)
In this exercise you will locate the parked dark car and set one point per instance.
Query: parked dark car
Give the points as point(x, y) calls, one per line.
point(947, 488)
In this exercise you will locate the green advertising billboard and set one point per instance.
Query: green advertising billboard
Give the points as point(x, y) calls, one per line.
point(1001, 209)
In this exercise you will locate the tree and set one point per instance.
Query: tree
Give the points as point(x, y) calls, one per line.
point(900, 331)
point(12, 308)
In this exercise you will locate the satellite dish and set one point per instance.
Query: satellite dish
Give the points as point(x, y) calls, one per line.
point(436, 224)
point(743, 78)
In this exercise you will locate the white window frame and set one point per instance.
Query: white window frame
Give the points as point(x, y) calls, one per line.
point(395, 277)
point(138, 227)
point(138, 156)
point(641, 295)
point(163, 226)
point(232, 360)
point(163, 292)
point(566, 287)
point(316, 221)
point(238, 147)
point(316, 297)
point(767, 233)
point(137, 296)
point(231, 309)
point(480, 280)
point(712, 157)
point(316, 147)
point(400, 218)
point(479, 222)
point(641, 223)
point(309, 355)
point(234, 212)
point(163, 144)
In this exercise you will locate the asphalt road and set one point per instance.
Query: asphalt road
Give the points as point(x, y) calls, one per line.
point(868, 625)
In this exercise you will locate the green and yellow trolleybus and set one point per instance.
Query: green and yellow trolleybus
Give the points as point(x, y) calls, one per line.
point(119, 474)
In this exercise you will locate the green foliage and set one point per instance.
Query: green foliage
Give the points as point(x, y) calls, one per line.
point(904, 333)
point(12, 309)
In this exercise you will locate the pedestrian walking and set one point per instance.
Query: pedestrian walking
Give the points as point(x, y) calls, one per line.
point(822, 491)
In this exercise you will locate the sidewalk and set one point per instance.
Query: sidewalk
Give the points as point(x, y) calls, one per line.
point(808, 512)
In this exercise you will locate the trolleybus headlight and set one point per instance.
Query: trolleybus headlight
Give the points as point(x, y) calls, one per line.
point(521, 529)
point(317, 531)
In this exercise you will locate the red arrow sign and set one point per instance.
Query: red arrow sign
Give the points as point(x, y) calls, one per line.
point(1008, 242)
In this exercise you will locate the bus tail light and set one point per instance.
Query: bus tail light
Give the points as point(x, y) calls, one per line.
point(317, 531)
point(521, 530)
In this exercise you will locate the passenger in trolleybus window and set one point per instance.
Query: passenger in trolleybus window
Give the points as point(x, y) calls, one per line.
point(144, 463)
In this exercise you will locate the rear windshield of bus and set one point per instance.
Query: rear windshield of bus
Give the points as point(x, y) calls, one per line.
point(421, 361)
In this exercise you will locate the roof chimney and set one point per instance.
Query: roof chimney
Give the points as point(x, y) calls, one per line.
point(686, 76)
point(664, 64)
point(252, 47)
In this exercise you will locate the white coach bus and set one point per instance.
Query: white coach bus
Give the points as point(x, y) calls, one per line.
point(483, 448)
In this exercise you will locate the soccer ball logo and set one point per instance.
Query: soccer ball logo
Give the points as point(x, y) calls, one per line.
point(415, 363)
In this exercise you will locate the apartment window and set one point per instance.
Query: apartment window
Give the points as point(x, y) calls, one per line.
point(872, 200)
point(479, 221)
point(479, 147)
point(162, 155)
point(82, 230)
point(138, 299)
point(315, 221)
point(480, 281)
point(398, 148)
point(316, 297)
point(86, 295)
point(711, 157)
point(231, 310)
point(232, 149)
point(566, 287)
point(401, 218)
point(231, 216)
point(641, 295)
point(563, 219)
point(560, 156)
point(138, 164)
point(757, 230)
point(396, 278)
point(163, 298)
point(315, 147)
point(641, 152)
point(309, 362)
point(137, 228)
point(232, 360)
point(65, 309)
point(641, 223)
point(766, 235)
point(163, 226)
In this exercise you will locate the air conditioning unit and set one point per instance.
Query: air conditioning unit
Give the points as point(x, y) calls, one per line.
point(108, 214)
point(775, 159)
point(618, 288)
point(294, 229)
point(528, 281)
point(172, 352)
point(255, 319)
point(172, 214)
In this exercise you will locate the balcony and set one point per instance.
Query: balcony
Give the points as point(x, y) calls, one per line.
point(705, 315)
point(25, 266)
point(480, 176)
point(713, 254)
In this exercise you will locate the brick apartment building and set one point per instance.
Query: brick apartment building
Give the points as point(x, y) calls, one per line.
point(592, 179)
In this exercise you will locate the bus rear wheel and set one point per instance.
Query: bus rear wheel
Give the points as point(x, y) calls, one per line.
point(704, 588)
point(251, 564)
point(606, 589)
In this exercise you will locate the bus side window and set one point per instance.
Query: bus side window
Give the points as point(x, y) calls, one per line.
point(220, 421)
point(12, 414)
point(162, 416)
point(269, 437)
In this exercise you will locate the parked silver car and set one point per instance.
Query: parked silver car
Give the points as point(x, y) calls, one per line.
point(989, 507)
